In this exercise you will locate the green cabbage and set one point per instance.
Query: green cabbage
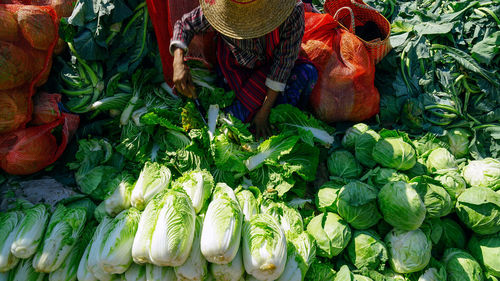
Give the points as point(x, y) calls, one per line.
point(301, 253)
point(232, 271)
point(383, 176)
point(483, 173)
point(432, 274)
point(436, 200)
point(401, 206)
point(135, 273)
point(326, 199)
point(357, 204)
point(441, 161)
point(486, 249)
point(30, 231)
point(320, 271)
point(453, 183)
point(173, 235)
point(221, 233)
point(153, 179)
point(364, 147)
point(409, 251)
point(394, 153)
point(453, 235)
point(458, 139)
point(342, 163)
point(116, 255)
point(331, 232)
point(460, 265)
point(198, 185)
point(9, 224)
point(195, 267)
point(479, 209)
point(64, 229)
point(264, 247)
point(351, 135)
point(366, 250)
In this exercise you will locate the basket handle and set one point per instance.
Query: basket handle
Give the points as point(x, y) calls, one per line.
point(352, 27)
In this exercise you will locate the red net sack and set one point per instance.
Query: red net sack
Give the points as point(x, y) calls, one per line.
point(29, 150)
point(46, 108)
point(345, 89)
point(28, 35)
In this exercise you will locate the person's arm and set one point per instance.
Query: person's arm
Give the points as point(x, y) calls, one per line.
point(285, 55)
point(184, 30)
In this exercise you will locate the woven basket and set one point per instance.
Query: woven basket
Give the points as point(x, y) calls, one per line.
point(352, 13)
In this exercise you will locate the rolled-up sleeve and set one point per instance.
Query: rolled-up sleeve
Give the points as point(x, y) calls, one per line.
point(287, 50)
point(187, 27)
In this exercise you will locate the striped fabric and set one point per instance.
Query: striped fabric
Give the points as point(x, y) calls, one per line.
point(252, 53)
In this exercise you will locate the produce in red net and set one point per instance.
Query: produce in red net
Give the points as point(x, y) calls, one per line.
point(16, 69)
point(345, 89)
point(45, 109)
point(14, 109)
point(37, 27)
point(8, 26)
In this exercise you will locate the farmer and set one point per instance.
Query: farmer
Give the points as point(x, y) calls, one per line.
point(258, 43)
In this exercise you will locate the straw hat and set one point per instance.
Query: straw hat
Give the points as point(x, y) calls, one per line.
point(246, 19)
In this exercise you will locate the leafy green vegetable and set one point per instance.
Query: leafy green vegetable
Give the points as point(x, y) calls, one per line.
point(343, 164)
point(153, 179)
point(401, 205)
point(409, 251)
point(30, 231)
point(331, 232)
point(198, 185)
point(460, 265)
point(366, 250)
point(9, 225)
point(486, 250)
point(483, 173)
point(357, 204)
point(479, 209)
point(364, 147)
point(394, 153)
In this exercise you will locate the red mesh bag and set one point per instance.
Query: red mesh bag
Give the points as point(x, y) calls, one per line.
point(345, 89)
point(28, 35)
point(29, 150)
point(46, 108)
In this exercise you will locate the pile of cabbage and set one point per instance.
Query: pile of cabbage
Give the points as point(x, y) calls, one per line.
point(402, 208)
point(158, 229)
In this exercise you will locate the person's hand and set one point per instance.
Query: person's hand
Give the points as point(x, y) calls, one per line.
point(261, 123)
point(182, 78)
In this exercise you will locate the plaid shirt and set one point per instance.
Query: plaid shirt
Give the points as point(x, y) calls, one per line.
point(250, 52)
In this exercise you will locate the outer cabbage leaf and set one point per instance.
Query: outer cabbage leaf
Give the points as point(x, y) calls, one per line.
point(229, 156)
point(30, 231)
point(198, 186)
point(409, 251)
point(436, 200)
point(357, 204)
point(366, 250)
point(483, 173)
point(271, 150)
point(460, 265)
point(331, 232)
point(301, 253)
point(288, 117)
point(152, 180)
point(9, 223)
point(232, 271)
point(479, 209)
point(195, 267)
point(173, 235)
point(349, 139)
point(486, 249)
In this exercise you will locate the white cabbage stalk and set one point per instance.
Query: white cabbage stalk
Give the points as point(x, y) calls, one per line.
point(83, 273)
point(248, 203)
point(221, 234)
point(144, 234)
point(30, 232)
point(135, 273)
point(68, 271)
point(9, 223)
point(160, 273)
point(25, 272)
point(233, 271)
point(95, 253)
point(116, 256)
point(195, 267)
point(174, 232)
point(119, 200)
point(64, 229)
point(301, 253)
point(198, 186)
point(264, 248)
point(153, 179)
